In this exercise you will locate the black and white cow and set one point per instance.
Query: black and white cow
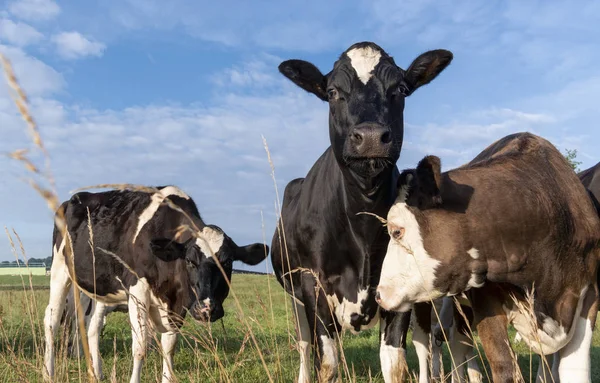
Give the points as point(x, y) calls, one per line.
point(514, 221)
point(138, 255)
point(324, 252)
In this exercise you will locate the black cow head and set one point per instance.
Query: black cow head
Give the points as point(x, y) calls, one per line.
point(366, 92)
point(209, 287)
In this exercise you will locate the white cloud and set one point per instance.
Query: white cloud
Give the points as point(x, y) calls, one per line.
point(35, 10)
point(18, 33)
point(73, 45)
point(37, 78)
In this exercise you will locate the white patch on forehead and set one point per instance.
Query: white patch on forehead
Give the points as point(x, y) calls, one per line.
point(345, 309)
point(408, 272)
point(364, 60)
point(474, 253)
point(155, 202)
point(210, 241)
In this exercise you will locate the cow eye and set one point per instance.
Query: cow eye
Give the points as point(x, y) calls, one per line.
point(332, 93)
point(397, 232)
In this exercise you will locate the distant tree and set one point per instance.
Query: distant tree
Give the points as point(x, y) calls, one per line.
point(571, 156)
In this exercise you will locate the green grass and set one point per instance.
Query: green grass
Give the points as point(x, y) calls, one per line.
point(221, 352)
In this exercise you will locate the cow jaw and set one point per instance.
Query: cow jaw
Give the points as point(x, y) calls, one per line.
point(408, 272)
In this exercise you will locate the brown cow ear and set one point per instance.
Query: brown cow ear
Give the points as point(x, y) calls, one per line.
point(429, 178)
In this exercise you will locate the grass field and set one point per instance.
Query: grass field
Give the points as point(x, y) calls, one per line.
point(223, 352)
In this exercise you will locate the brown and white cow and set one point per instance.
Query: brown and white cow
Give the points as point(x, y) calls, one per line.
point(514, 221)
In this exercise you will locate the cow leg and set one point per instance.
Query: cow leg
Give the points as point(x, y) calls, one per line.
point(60, 283)
point(463, 345)
point(168, 341)
point(575, 361)
point(96, 323)
point(87, 305)
point(393, 329)
point(544, 372)
point(323, 330)
point(139, 299)
point(491, 324)
point(437, 337)
point(304, 339)
point(421, 337)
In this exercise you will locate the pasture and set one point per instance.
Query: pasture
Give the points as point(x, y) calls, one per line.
point(222, 352)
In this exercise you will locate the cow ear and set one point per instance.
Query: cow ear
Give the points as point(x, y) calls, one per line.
point(167, 249)
point(405, 182)
point(429, 179)
point(252, 254)
point(425, 68)
point(306, 76)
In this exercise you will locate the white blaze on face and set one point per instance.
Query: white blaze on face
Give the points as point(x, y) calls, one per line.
point(364, 60)
point(210, 241)
point(408, 271)
point(155, 202)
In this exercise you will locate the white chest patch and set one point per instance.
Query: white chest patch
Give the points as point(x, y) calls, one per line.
point(551, 337)
point(210, 241)
point(364, 60)
point(344, 310)
point(474, 253)
point(155, 202)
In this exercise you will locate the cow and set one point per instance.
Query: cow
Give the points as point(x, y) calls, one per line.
point(516, 230)
point(590, 178)
point(445, 323)
point(140, 254)
point(325, 253)
point(89, 307)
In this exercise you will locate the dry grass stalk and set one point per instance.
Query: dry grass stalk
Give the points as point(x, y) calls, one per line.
point(49, 195)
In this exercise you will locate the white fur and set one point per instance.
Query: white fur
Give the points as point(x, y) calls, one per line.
point(575, 364)
point(392, 359)
point(421, 342)
point(303, 331)
point(551, 337)
point(210, 241)
point(59, 288)
point(473, 283)
point(408, 271)
point(156, 200)
point(364, 60)
point(474, 253)
point(345, 309)
point(329, 356)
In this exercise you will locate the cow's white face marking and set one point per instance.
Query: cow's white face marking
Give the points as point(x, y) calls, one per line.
point(474, 253)
point(551, 337)
point(155, 202)
point(210, 242)
point(345, 309)
point(364, 60)
point(408, 271)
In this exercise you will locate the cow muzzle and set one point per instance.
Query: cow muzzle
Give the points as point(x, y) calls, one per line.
point(207, 310)
point(370, 141)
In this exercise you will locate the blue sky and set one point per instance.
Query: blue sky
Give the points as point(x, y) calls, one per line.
point(180, 92)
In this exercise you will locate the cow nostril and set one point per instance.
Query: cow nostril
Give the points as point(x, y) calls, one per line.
point(377, 297)
point(357, 137)
point(386, 137)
